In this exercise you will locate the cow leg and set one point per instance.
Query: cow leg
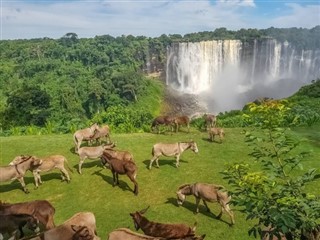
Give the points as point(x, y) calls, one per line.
point(21, 180)
point(65, 174)
point(197, 205)
point(205, 203)
point(177, 160)
point(114, 178)
point(35, 176)
point(80, 164)
point(151, 161)
point(226, 208)
point(132, 177)
point(117, 178)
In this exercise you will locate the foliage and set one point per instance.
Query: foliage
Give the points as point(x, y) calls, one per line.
point(273, 193)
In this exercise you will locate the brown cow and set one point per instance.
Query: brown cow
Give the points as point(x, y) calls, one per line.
point(84, 135)
point(127, 234)
point(210, 120)
point(163, 230)
point(41, 209)
point(48, 164)
point(10, 173)
point(216, 131)
point(182, 120)
point(162, 120)
point(121, 167)
point(100, 133)
point(206, 192)
point(81, 226)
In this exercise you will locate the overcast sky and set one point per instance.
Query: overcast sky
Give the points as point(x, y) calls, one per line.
point(26, 19)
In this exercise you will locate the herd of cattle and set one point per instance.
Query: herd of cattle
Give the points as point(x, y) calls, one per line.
point(39, 214)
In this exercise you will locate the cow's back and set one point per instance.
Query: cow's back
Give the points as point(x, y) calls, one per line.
point(167, 149)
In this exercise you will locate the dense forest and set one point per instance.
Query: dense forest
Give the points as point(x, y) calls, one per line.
point(63, 84)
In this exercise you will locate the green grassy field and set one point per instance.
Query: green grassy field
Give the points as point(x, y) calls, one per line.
point(93, 191)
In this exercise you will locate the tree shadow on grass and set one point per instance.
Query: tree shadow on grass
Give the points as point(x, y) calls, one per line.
point(109, 179)
point(192, 207)
point(163, 162)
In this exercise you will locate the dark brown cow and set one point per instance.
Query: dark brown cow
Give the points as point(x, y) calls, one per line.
point(127, 234)
point(121, 167)
point(163, 230)
point(162, 120)
point(41, 209)
point(12, 223)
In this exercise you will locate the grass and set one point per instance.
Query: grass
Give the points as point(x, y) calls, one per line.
point(93, 191)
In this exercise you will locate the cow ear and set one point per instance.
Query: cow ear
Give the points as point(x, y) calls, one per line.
point(75, 227)
point(131, 214)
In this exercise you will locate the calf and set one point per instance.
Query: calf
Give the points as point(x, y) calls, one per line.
point(92, 153)
point(12, 223)
point(163, 230)
point(216, 131)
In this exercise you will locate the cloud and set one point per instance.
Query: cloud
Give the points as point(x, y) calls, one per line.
point(25, 19)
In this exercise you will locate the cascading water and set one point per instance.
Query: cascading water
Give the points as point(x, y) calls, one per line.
point(226, 74)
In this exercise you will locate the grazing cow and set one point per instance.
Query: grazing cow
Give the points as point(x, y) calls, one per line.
point(100, 133)
point(206, 192)
point(216, 131)
point(40, 209)
point(121, 167)
point(92, 153)
point(182, 120)
point(163, 230)
point(84, 135)
point(81, 226)
point(127, 234)
point(210, 121)
point(10, 173)
point(12, 223)
point(162, 120)
point(48, 164)
point(171, 149)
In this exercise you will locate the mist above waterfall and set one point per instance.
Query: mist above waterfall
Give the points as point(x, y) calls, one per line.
point(225, 75)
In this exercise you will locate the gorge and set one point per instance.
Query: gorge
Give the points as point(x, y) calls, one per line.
point(226, 74)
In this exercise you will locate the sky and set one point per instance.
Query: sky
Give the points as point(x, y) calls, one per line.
point(27, 19)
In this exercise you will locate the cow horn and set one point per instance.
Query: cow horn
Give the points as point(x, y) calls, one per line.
point(143, 211)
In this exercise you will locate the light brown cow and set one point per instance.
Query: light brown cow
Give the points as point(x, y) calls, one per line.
point(48, 164)
point(102, 132)
point(66, 231)
point(92, 153)
point(127, 234)
point(206, 192)
point(216, 131)
point(84, 135)
point(121, 155)
point(210, 120)
point(10, 173)
point(171, 149)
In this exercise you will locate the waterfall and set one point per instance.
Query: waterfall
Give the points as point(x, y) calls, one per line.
point(226, 74)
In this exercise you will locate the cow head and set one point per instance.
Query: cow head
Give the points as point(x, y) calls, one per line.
point(137, 217)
